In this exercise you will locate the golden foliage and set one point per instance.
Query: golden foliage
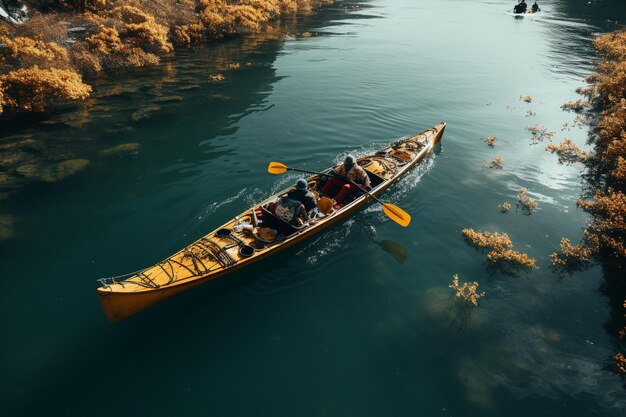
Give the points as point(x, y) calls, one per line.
point(105, 41)
point(490, 140)
point(189, 34)
point(526, 99)
point(26, 52)
point(512, 257)
point(620, 362)
point(505, 207)
point(501, 248)
point(539, 133)
point(496, 162)
point(608, 229)
point(466, 292)
point(216, 77)
point(527, 204)
point(575, 106)
point(31, 89)
point(570, 254)
point(495, 240)
point(3, 99)
point(568, 152)
point(132, 33)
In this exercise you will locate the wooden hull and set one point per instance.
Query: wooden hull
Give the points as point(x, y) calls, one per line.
point(231, 246)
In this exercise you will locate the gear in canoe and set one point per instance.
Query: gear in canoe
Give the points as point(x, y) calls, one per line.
point(282, 220)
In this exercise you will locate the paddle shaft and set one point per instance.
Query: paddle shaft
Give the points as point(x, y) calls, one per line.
point(340, 177)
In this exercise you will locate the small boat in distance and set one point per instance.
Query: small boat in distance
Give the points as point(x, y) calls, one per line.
point(258, 232)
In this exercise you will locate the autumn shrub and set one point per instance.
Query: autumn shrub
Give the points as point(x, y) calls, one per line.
point(22, 52)
point(117, 34)
point(32, 89)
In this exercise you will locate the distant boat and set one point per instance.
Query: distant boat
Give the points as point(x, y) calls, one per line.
point(528, 13)
point(258, 232)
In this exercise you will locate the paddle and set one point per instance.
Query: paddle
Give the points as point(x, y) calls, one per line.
point(394, 249)
point(395, 213)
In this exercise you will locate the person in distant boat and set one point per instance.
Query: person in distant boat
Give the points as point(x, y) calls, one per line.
point(351, 171)
point(520, 7)
point(535, 8)
point(303, 195)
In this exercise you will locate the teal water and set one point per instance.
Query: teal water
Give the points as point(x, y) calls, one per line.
point(334, 326)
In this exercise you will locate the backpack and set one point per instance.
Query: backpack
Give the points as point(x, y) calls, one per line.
point(290, 211)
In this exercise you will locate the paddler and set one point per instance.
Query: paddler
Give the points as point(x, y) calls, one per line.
point(351, 171)
point(520, 7)
point(303, 195)
point(535, 8)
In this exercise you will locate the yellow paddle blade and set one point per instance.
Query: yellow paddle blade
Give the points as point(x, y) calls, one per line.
point(276, 168)
point(396, 214)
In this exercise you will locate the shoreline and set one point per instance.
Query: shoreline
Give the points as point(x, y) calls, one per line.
point(46, 62)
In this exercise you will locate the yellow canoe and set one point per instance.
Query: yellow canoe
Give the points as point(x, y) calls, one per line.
point(241, 241)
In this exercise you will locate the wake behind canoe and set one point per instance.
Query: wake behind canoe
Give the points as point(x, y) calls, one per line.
point(257, 233)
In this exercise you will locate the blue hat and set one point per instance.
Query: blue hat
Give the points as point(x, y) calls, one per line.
point(301, 184)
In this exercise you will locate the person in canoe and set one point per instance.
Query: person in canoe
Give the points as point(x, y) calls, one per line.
point(520, 7)
point(535, 8)
point(303, 195)
point(296, 206)
point(350, 170)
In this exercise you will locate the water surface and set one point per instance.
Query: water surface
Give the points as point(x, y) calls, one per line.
point(334, 326)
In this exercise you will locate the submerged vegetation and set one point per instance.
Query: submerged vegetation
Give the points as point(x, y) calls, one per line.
point(501, 248)
point(539, 133)
point(570, 254)
point(466, 292)
point(47, 59)
point(490, 140)
point(526, 203)
point(568, 152)
point(496, 162)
